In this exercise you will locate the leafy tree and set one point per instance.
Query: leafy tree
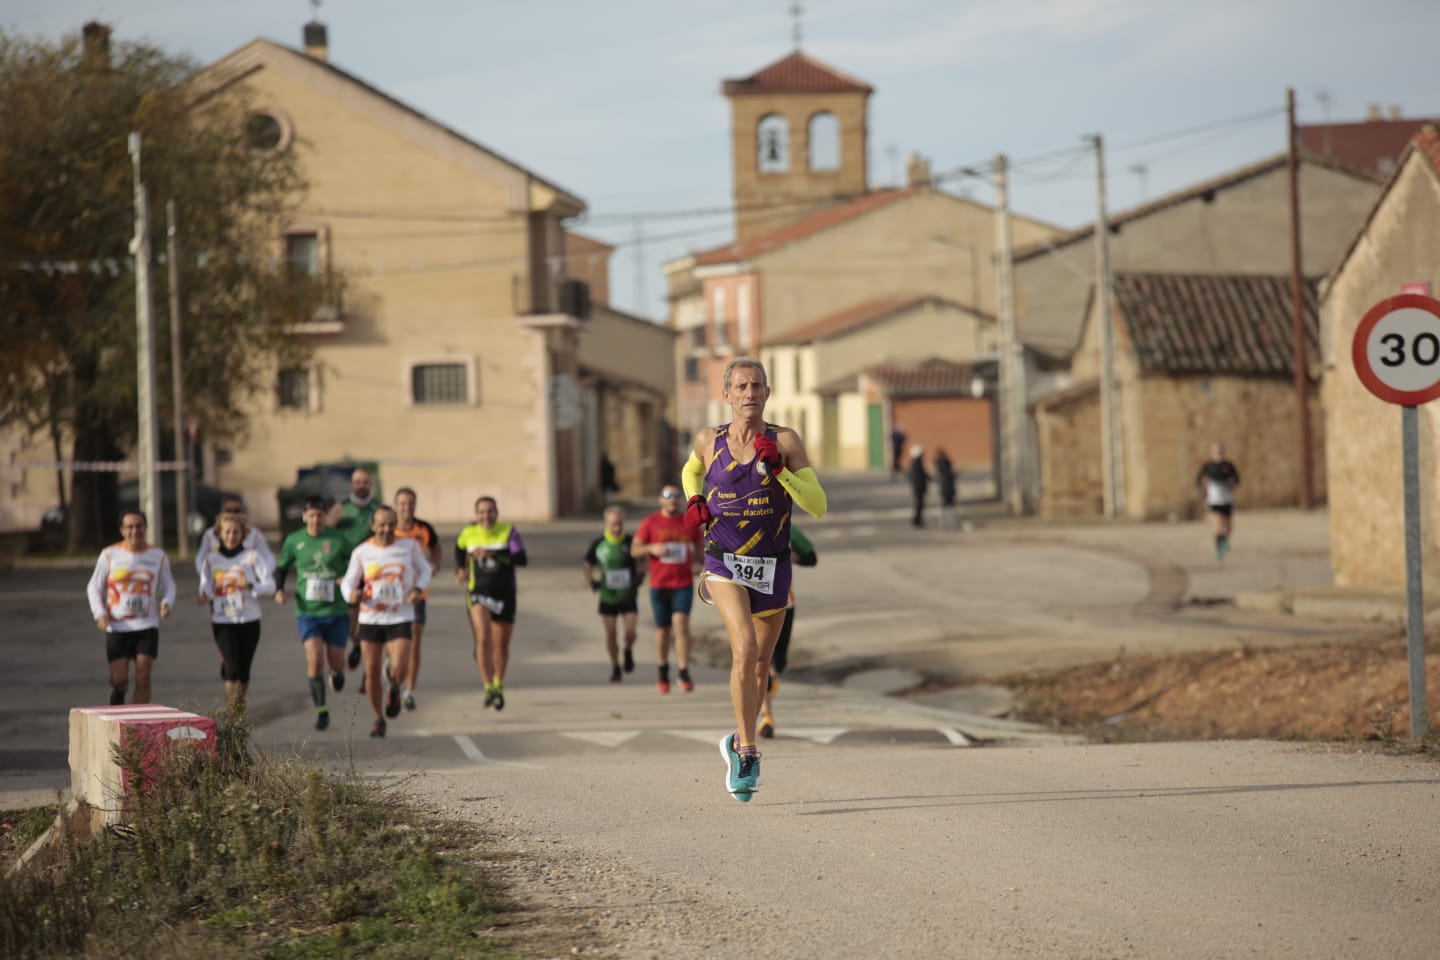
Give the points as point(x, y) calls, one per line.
point(67, 283)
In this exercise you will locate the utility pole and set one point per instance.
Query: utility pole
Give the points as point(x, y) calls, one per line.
point(1297, 299)
point(1111, 467)
point(177, 385)
point(640, 305)
point(1011, 372)
point(149, 435)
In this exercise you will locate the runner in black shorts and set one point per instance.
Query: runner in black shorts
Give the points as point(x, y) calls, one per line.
point(130, 592)
point(410, 526)
point(612, 573)
point(486, 555)
point(232, 576)
point(1217, 481)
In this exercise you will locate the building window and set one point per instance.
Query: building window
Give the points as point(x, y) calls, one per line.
point(697, 337)
point(772, 140)
point(441, 382)
point(717, 316)
point(742, 315)
point(293, 389)
point(302, 254)
point(824, 142)
point(266, 132)
point(692, 369)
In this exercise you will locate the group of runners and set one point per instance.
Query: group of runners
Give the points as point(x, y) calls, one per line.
point(361, 569)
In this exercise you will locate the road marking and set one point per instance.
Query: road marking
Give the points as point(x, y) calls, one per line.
point(476, 755)
point(604, 738)
point(956, 738)
point(821, 735)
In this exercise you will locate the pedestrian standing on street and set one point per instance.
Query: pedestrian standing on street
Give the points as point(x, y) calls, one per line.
point(352, 518)
point(673, 549)
point(385, 577)
point(802, 553)
point(919, 483)
point(486, 555)
point(254, 539)
point(1217, 481)
point(945, 480)
point(409, 527)
point(897, 452)
point(611, 572)
point(319, 556)
point(232, 581)
point(742, 479)
point(130, 592)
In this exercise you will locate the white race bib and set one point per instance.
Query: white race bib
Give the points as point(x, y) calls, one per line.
point(617, 579)
point(232, 604)
point(676, 551)
point(387, 593)
point(135, 604)
point(493, 604)
point(320, 589)
point(757, 573)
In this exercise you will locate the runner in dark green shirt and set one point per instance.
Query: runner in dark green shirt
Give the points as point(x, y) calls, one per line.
point(614, 575)
point(319, 556)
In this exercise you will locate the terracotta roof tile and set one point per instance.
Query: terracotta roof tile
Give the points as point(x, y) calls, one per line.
point(1212, 323)
point(843, 210)
point(856, 317)
point(1366, 145)
point(797, 73)
point(933, 377)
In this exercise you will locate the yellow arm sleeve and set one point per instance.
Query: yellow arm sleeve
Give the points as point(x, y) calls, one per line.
point(804, 488)
point(692, 477)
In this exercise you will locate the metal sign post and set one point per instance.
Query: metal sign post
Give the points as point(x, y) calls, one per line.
point(1396, 352)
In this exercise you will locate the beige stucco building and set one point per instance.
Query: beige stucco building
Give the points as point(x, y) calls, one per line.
point(464, 356)
point(1396, 247)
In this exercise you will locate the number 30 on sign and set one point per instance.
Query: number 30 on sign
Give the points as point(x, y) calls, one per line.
point(1397, 349)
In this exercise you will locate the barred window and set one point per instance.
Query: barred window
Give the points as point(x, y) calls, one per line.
point(692, 369)
point(293, 389)
point(439, 383)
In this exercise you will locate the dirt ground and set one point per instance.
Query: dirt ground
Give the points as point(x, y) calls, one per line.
point(1355, 691)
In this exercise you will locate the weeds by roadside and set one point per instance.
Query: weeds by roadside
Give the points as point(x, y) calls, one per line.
point(235, 855)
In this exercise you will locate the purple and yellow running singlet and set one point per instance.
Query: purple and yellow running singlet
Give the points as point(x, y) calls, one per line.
point(749, 542)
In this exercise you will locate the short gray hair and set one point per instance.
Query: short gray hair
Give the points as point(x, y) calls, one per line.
point(750, 362)
point(615, 508)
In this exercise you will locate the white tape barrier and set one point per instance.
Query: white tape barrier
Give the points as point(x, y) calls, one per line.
point(93, 466)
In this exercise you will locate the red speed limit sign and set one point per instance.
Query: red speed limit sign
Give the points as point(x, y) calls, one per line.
point(1397, 349)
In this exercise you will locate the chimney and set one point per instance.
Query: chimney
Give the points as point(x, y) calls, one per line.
point(96, 44)
point(317, 40)
point(917, 170)
point(1374, 112)
point(1395, 113)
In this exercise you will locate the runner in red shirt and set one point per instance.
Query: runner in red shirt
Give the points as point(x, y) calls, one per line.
point(675, 558)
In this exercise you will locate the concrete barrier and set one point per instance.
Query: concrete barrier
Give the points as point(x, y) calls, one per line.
point(97, 779)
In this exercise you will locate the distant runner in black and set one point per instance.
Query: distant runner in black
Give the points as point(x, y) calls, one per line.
point(1217, 481)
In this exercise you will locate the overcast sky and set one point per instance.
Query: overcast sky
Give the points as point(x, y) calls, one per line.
point(619, 101)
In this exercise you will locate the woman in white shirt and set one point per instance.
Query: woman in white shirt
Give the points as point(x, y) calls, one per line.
point(232, 578)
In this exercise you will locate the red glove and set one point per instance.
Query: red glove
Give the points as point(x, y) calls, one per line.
point(767, 455)
point(697, 513)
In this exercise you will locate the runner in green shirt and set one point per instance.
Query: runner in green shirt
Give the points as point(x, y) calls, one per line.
point(614, 575)
point(319, 557)
point(351, 518)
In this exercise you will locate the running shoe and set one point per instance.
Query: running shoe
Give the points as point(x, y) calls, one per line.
point(767, 726)
point(662, 685)
point(409, 700)
point(615, 675)
point(378, 730)
point(353, 660)
point(629, 661)
point(392, 701)
point(489, 696)
point(499, 698)
point(322, 720)
point(740, 772)
point(337, 680)
point(686, 683)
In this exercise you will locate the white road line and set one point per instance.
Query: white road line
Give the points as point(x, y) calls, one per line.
point(476, 755)
point(604, 738)
point(956, 738)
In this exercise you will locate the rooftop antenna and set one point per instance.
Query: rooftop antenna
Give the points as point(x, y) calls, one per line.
point(314, 10)
point(798, 30)
point(1324, 97)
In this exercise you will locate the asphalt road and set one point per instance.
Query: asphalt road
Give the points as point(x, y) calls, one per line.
point(887, 826)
